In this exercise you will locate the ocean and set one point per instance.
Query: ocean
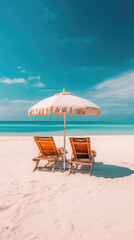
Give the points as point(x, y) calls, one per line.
point(55, 128)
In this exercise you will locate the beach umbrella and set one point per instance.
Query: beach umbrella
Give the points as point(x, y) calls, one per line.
point(64, 103)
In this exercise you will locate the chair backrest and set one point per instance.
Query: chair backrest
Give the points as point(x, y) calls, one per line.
point(46, 145)
point(81, 148)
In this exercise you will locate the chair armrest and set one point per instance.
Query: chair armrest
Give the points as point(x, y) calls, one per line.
point(93, 153)
point(61, 150)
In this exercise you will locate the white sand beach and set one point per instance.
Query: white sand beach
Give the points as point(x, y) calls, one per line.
point(42, 205)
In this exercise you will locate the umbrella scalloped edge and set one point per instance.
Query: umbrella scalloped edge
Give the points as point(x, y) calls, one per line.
point(65, 110)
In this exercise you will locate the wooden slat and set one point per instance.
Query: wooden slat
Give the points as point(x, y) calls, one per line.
point(80, 147)
point(82, 153)
point(42, 141)
point(46, 145)
point(48, 151)
point(80, 162)
point(79, 143)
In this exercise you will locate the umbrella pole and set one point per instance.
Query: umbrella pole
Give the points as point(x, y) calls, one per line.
point(64, 167)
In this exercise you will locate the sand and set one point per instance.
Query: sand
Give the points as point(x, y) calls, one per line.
point(43, 205)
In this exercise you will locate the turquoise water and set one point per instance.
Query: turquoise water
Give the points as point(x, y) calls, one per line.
point(48, 128)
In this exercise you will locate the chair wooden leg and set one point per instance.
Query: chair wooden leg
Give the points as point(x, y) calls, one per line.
point(70, 169)
point(90, 170)
point(63, 158)
point(54, 166)
point(93, 154)
point(93, 159)
point(36, 166)
point(77, 168)
point(46, 164)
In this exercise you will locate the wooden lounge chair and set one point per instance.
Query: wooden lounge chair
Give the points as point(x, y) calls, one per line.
point(48, 151)
point(82, 153)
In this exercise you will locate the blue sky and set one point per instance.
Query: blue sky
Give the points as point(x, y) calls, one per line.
point(85, 46)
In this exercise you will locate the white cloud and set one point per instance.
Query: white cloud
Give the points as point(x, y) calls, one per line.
point(39, 85)
point(115, 95)
point(103, 84)
point(17, 101)
point(11, 107)
point(13, 80)
point(34, 78)
point(121, 87)
point(22, 101)
point(23, 71)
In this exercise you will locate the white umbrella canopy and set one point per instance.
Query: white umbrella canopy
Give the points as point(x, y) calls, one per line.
point(64, 104)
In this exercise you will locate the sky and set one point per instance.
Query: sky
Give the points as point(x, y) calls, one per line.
point(84, 46)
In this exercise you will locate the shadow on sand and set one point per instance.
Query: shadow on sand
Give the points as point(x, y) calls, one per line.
point(110, 171)
point(98, 170)
point(58, 168)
